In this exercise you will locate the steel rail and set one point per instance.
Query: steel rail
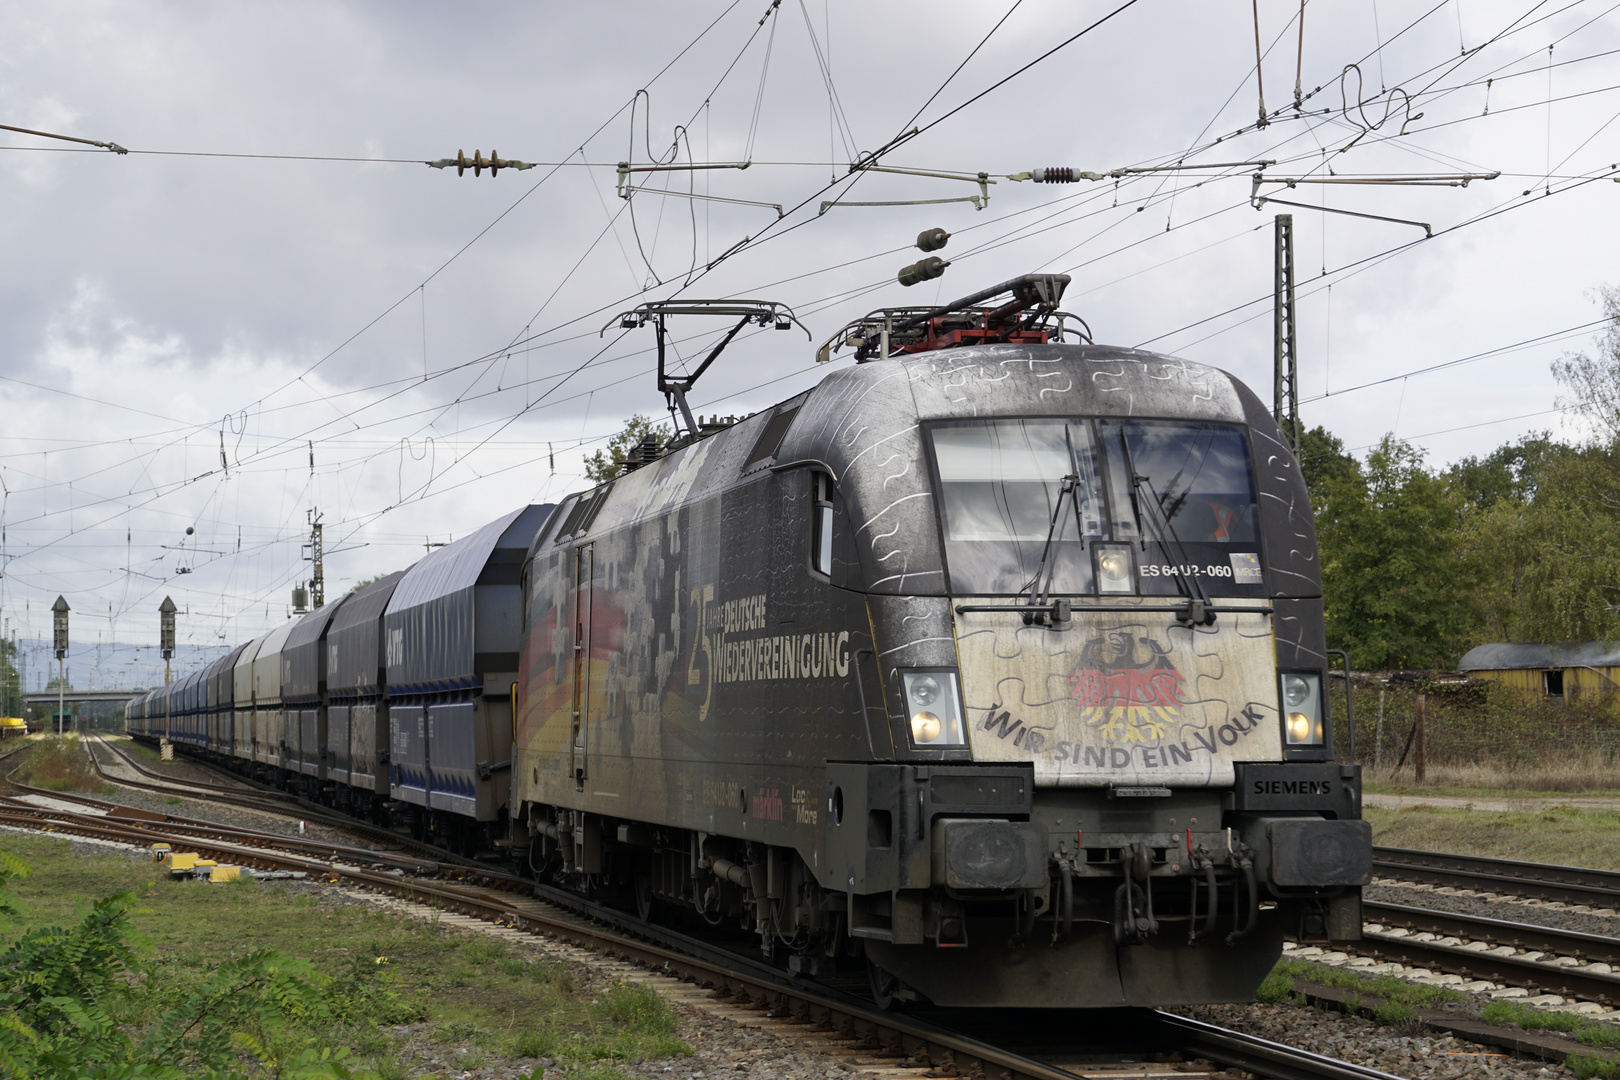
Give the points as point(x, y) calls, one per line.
point(1516, 970)
point(1256, 1055)
point(1540, 881)
point(1477, 963)
point(207, 830)
point(247, 788)
point(1599, 948)
point(291, 806)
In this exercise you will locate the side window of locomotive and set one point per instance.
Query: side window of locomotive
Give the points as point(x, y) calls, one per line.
point(1198, 474)
point(821, 523)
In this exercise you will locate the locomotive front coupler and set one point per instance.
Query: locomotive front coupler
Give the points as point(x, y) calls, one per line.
point(1133, 900)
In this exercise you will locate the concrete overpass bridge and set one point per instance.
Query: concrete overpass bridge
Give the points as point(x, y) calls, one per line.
point(49, 697)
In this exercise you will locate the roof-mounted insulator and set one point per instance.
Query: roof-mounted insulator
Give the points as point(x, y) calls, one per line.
point(932, 239)
point(478, 164)
point(1062, 174)
point(923, 270)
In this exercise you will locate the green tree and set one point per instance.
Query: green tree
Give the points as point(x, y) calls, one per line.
point(1512, 472)
point(1563, 551)
point(1552, 512)
point(1324, 463)
point(602, 466)
point(1397, 590)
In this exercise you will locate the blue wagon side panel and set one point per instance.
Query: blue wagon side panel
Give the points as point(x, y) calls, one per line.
point(356, 688)
point(453, 628)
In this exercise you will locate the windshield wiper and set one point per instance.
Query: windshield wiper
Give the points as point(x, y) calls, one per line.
point(1199, 611)
point(1039, 588)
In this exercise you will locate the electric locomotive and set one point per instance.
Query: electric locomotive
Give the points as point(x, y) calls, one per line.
point(995, 663)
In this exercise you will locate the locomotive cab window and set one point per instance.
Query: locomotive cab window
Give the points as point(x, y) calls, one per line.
point(821, 523)
point(1148, 501)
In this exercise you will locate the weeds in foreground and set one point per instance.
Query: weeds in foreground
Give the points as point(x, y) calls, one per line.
point(365, 977)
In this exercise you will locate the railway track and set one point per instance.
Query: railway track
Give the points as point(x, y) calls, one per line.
point(1545, 959)
point(1537, 881)
point(265, 800)
point(1472, 948)
point(525, 906)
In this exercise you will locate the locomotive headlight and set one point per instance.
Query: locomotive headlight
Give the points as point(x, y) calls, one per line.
point(924, 727)
point(1116, 570)
point(1302, 708)
point(934, 706)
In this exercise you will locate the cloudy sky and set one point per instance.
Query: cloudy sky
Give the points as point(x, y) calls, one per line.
point(269, 305)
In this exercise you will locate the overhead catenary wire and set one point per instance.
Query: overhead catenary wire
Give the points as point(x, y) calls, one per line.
point(525, 335)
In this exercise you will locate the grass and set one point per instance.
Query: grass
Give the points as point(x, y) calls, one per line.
point(1506, 776)
point(1591, 1068)
point(138, 749)
point(1582, 1028)
point(1570, 835)
point(1399, 1001)
point(473, 992)
point(1534, 787)
point(59, 763)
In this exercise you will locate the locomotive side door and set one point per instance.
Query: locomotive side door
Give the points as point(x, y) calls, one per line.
point(584, 567)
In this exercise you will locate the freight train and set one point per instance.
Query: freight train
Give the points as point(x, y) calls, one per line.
point(994, 663)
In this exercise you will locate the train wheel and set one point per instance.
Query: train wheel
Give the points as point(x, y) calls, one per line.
point(886, 987)
point(648, 909)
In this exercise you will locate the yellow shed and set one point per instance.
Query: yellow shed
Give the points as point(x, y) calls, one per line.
point(1587, 671)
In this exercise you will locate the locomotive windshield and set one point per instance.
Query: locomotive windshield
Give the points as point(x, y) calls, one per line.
point(1000, 483)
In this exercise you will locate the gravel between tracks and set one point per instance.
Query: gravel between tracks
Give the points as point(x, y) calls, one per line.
point(1605, 921)
point(237, 817)
point(1410, 1052)
point(181, 769)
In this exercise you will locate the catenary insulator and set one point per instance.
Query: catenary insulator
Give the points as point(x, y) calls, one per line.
point(1061, 175)
point(923, 270)
point(932, 239)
